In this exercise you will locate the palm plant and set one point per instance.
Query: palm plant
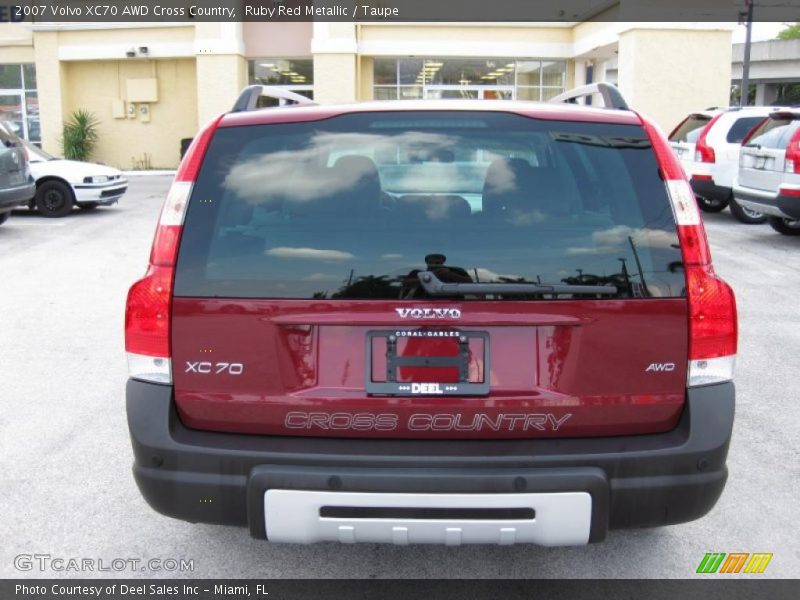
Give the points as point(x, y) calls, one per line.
point(80, 135)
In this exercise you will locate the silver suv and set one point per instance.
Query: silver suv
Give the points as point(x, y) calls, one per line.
point(769, 171)
point(707, 144)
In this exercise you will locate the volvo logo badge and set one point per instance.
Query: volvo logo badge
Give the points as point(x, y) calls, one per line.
point(428, 313)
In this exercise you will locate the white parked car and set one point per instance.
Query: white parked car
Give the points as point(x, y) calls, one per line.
point(62, 184)
point(769, 171)
point(707, 144)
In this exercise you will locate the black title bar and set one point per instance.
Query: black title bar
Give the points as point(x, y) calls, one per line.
point(711, 588)
point(394, 11)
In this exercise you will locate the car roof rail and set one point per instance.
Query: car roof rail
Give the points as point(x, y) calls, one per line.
point(248, 99)
point(612, 97)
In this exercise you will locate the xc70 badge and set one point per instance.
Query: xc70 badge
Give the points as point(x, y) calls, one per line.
point(203, 367)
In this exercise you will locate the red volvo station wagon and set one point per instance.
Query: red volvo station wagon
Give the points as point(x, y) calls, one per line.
point(431, 322)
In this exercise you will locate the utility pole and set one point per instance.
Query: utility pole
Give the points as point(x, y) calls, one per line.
point(745, 95)
point(642, 282)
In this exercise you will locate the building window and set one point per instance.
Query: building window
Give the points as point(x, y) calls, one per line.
point(295, 75)
point(479, 78)
point(19, 102)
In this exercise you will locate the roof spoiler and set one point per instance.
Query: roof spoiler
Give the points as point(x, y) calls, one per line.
point(248, 99)
point(612, 98)
point(785, 113)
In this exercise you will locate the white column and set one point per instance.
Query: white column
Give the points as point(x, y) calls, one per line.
point(697, 73)
point(600, 70)
point(50, 79)
point(580, 72)
point(335, 48)
point(766, 94)
point(760, 88)
point(221, 68)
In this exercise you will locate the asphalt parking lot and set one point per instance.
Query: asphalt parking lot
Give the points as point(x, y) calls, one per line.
point(67, 489)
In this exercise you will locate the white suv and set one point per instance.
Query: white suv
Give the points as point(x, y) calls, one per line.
point(707, 144)
point(769, 171)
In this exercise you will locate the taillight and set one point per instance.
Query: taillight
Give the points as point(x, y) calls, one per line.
point(712, 327)
point(168, 231)
point(147, 326)
point(190, 165)
point(712, 304)
point(149, 304)
point(792, 162)
point(702, 151)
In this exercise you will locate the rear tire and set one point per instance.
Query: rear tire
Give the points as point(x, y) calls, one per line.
point(4, 217)
point(785, 226)
point(54, 199)
point(711, 206)
point(746, 215)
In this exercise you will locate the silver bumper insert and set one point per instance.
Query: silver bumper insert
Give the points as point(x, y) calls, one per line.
point(767, 209)
point(560, 519)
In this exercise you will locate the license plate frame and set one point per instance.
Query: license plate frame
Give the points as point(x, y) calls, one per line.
point(392, 387)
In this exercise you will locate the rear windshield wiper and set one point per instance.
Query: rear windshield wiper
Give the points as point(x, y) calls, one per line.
point(436, 287)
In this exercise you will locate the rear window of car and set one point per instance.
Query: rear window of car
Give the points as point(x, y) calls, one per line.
point(740, 128)
point(353, 207)
point(689, 129)
point(774, 133)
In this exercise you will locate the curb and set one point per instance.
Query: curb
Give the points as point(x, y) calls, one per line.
point(150, 172)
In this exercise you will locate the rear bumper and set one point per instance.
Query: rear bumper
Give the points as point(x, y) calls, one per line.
point(776, 205)
point(102, 193)
point(12, 197)
point(633, 481)
point(706, 188)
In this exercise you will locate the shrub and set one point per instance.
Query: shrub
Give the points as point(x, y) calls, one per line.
point(80, 135)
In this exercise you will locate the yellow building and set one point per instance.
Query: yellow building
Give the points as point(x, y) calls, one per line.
point(153, 84)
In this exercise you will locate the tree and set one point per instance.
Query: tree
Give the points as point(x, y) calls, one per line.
point(736, 93)
point(788, 94)
point(791, 32)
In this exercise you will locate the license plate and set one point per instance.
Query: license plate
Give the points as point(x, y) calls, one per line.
point(420, 345)
point(761, 161)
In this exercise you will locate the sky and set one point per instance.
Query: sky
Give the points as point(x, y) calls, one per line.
point(761, 31)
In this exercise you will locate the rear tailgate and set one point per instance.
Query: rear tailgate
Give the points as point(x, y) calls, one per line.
point(684, 137)
point(762, 161)
point(297, 309)
point(554, 369)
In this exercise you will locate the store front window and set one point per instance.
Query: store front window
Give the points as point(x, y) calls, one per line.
point(293, 75)
point(19, 102)
point(477, 78)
